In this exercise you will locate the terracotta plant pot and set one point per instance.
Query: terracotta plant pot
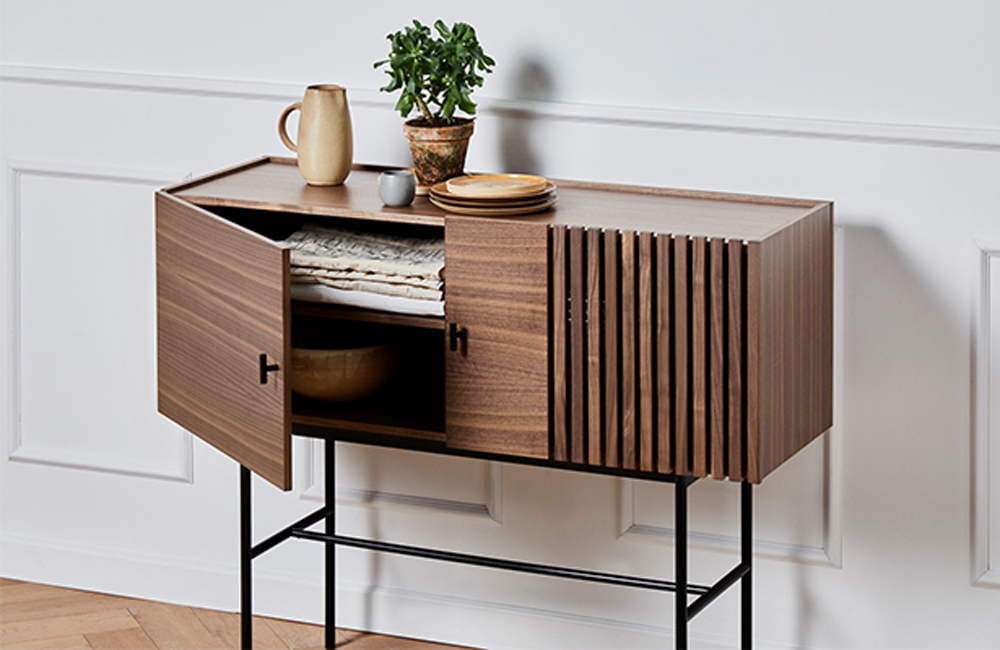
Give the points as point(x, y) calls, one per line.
point(438, 151)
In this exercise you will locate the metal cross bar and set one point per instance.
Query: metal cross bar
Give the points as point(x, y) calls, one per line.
point(496, 563)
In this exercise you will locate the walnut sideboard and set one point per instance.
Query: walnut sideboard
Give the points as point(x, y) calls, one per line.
point(638, 331)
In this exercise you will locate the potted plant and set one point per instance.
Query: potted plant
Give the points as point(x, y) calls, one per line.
point(436, 70)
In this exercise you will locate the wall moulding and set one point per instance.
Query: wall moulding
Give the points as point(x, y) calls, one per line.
point(986, 416)
point(311, 476)
point(20, 448)
point(941, 136)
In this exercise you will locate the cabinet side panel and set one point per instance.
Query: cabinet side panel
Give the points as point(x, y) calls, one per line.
point(796, 338)
point(221, 303)
point(496, 292)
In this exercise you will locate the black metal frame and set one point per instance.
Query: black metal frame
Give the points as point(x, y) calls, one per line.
point(684, 610)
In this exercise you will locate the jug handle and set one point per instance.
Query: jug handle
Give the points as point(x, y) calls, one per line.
point(282, 132)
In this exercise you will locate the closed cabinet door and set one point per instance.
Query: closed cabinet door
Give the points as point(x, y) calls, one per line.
point(223, 328)
point(497, 359)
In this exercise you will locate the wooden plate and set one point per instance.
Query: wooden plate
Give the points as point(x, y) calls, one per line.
point(495, 186)
point(500, 211)
point(494, 203)
point(441, 192)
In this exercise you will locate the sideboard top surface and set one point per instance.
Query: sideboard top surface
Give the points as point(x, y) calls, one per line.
point(275, 184)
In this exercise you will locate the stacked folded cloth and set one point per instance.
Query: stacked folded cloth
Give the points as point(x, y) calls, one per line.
point(370, 270)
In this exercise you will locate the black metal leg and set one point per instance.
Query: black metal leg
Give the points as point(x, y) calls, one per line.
point(246, 563)
point(680, 563)
point(331, 548)
point(746, 582)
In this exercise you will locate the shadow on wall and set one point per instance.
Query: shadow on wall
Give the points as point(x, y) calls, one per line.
point(532, 82)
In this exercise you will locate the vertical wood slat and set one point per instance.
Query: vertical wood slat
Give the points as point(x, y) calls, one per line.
point(647, 363)
point(577, 339)
point(560, 451)
point(737, 365)
point(718, 368)
point(682, 442)
point(594, 347)
point(664, 424)
point(612, 366)
point(699, 359)
point(628, 351)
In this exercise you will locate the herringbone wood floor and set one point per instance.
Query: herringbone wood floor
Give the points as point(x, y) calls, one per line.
point(40, 617)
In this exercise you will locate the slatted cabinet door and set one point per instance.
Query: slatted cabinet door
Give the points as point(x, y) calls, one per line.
point(222, 302)
point(496, 302)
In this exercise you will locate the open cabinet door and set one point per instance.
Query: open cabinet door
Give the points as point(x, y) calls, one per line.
point(496, 305)
point(223, 328)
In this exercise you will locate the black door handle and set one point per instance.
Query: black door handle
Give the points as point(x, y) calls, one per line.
point(454, 334)
point(266, 368)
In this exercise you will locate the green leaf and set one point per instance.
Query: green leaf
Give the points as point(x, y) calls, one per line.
point(435, 66)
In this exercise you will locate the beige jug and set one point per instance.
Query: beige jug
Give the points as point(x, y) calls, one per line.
point(325, 143)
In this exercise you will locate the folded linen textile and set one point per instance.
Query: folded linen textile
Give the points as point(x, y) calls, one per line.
point(299, 273)
point(381, 302)
point(383, 288)
point(361, 268)
point(337, 248)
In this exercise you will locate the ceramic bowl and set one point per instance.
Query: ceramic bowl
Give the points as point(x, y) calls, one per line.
point(343, 375)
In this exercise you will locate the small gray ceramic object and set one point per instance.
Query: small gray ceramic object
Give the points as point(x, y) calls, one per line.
point(397, 187)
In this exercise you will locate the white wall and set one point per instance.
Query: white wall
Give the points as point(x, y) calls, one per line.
point(885, 533)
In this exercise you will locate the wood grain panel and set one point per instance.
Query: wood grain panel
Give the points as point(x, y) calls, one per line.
point(753, 363)
point(578, 346)
point(737, 364)
point(274, 184)
point(222, 300)
point(629, 353)
point(595, 348)
point(560, 365)
point(796, 336)
point(612, 349)
point(664, 347)
point(699, 358)
point(718, 368)
point(646, 308)
point(682, 353)
point(497, 384)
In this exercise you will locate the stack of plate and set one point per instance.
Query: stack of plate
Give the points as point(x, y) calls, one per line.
point(494, 194)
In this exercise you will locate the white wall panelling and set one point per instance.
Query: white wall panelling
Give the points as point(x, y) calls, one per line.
point(889, 133)
point(986, 446)
point(81, 266)
point(865, 540)
point(479, 482)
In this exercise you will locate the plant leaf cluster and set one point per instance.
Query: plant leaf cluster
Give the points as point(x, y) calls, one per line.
point(438, 68)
